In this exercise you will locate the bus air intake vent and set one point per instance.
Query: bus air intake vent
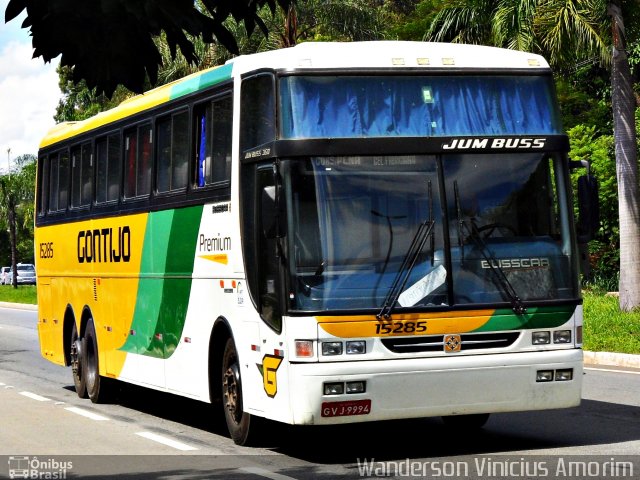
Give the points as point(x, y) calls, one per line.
point(436, 343)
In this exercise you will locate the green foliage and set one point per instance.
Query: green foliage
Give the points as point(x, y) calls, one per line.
point(23, 294)
point(606, 328)
point(79, 102)
point(111, 43)
point(17, 201)
point(414, 24)
point(604, 253)
point(585, 103)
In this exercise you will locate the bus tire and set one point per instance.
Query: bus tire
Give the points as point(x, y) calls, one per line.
point(473, 421)
point(243, 428)
point(76, 355)
point(99, 388)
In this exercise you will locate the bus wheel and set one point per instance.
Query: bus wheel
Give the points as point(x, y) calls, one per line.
point(98, 388)
point(466, 422)
point(238, 421)
point(76, 362)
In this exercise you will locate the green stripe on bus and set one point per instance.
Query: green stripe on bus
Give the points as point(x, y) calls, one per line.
point(206, 79)
point(165, 284)
point(540, 317)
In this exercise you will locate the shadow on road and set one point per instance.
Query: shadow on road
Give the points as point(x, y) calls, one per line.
point(592, 423)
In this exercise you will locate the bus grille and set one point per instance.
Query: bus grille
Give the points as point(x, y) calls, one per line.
point(435, 343)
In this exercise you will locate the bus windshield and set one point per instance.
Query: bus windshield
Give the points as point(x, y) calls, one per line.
point(412, 106)
point(498, 231)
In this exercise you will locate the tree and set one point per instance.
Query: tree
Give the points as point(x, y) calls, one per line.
point(623, 101)
point(16, 200)
point(111, 43)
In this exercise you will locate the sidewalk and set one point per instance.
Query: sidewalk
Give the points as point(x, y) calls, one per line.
point(19, 306)
point(610, 359)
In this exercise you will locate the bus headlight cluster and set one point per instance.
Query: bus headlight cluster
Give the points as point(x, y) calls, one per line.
point(338, 388)
point(544, 337)
point(560, 375)
point(352, 347)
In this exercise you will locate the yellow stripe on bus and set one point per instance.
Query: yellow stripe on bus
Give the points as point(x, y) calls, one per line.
point(219, 258)
point(360, 326)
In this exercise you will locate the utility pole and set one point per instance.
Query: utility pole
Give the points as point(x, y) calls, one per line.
point(8, 160)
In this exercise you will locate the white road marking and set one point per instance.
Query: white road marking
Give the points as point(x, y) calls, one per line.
point(166, 441)
point(33, 396)
point(87, 414)
point(611, 370)
point(266, 473)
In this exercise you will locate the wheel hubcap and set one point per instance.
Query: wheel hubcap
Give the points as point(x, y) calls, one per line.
point(231, 388)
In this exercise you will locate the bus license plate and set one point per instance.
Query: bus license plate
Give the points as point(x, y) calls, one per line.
point(341, 409)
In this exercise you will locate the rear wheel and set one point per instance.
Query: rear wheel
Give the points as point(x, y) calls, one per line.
point(76, 355)
point(243, 428)
point(99, 389)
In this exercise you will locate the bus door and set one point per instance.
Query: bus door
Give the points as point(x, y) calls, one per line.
point(273, 350)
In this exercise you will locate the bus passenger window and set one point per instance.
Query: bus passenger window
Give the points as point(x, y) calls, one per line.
point(108, 169)
point(137, 161)
point(173, 151)
point(214, 123)
point(81, 175)
point(43, 185)
point(257, 112)
point(53, 182)
point(58, 181)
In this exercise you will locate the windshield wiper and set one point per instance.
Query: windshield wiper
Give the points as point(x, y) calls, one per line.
point(408, 262)
point(501, 278)
point(502, 281)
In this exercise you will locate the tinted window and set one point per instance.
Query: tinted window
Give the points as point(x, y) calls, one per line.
point(214, 123)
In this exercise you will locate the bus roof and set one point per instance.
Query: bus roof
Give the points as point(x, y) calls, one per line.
point(314, 55)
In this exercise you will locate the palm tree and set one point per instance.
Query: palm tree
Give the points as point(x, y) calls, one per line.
point(566, 32)
point(623, 100)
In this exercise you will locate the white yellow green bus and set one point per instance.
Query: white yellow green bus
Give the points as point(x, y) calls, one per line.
point(330, 233)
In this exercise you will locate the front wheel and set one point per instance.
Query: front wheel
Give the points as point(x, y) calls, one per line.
point(243, 428)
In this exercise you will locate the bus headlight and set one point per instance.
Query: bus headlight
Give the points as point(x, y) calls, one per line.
point(356, 387)
point(544, 376)
point(562, 336)
point(333, 388)
point(564, 375)
point(331, 348)
point(356, 347)
point(540, 338)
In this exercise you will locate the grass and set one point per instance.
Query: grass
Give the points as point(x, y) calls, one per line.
point(22, 294)
point(606, 328)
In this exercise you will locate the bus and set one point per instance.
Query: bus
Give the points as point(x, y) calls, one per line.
point(325, 234)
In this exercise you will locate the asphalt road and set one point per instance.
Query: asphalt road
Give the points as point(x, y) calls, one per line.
point(146, 434)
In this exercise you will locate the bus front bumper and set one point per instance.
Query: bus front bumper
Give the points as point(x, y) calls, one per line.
point(426, 387)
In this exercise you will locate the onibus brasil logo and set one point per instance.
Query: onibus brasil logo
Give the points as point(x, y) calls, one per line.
point(28, 467)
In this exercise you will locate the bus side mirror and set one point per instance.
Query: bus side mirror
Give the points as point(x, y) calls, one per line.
point(588, 208)
point(272, 213)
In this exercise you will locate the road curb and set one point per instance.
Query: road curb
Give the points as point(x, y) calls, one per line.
point(19, 306)
point(612, 359)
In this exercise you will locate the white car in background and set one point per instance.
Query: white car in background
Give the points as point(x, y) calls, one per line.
point(26, 274)
point(4, 275)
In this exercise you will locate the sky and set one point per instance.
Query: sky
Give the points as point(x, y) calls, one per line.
point(29, 92)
